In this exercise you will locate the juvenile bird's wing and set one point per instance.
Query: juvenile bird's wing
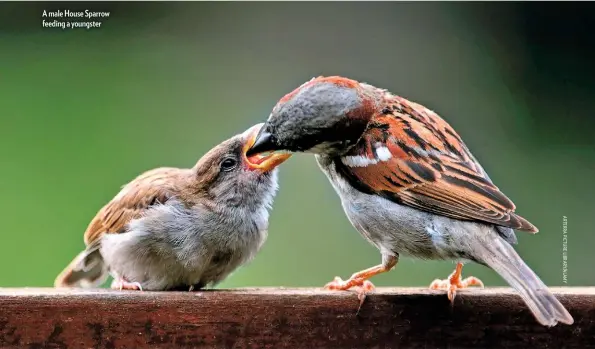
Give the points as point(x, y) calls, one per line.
point(411, 156)
point(150, 188)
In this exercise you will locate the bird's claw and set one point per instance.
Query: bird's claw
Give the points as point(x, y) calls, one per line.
point(337, 285)
point(452, 284)
point(362, 292)
point(122, 284)
point(360, 286)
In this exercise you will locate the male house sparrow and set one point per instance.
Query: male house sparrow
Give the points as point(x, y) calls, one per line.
point(407, 183)
point(173, 228)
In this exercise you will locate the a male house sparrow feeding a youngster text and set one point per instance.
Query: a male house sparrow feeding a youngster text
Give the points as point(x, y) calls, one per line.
point(174, 228)
point(407, 183)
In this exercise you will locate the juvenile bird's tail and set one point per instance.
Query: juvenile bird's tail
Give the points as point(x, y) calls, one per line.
point(86, 270)
point(501, 257)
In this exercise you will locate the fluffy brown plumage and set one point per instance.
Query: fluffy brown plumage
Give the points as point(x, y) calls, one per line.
point(181, 228)
point(150, 188)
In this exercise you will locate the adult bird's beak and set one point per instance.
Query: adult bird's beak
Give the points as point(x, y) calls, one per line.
point(264, 142)
point(260, 151)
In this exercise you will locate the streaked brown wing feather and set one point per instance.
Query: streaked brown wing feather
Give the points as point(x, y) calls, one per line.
point(151, 187)
point(429, 168)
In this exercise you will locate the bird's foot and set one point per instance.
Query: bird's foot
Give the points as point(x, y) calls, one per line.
point(122, 284)
point(339, 284)
point(360, 285)
point(455, 282)
point(359, 281)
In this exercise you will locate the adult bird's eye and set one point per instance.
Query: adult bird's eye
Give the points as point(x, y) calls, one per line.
point(228, 164)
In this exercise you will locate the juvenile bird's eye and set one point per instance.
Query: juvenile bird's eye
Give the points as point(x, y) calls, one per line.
point(228, 164)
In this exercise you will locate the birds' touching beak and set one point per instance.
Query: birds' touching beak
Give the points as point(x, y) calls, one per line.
point(263, 142)
point(260, 151)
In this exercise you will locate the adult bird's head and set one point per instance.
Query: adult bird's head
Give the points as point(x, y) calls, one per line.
point(326, 115)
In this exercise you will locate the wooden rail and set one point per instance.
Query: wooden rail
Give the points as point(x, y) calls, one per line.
point(286, 318)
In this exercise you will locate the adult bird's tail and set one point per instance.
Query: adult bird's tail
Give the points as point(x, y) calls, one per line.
point(500, 256)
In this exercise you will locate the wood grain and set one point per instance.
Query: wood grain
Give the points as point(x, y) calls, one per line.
point(286, 318)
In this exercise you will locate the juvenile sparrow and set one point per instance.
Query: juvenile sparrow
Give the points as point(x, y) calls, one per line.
point(407, 183)
point(173, 228)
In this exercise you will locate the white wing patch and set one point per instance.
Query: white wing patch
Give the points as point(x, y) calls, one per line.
point(358, 161)
point(382, 154)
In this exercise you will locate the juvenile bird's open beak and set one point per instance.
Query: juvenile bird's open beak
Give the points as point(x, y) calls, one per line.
point(258, 152)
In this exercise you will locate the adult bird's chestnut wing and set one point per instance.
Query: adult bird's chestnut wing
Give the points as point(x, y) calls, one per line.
point(411, 156)
point(149, 188)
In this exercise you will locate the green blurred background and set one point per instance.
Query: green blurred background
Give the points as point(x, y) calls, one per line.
point(85, 111)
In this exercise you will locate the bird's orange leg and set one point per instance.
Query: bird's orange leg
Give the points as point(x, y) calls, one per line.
point(454, 282)
point(360, 281)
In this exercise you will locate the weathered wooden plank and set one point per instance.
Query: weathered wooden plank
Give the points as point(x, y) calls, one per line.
point(286, 318)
